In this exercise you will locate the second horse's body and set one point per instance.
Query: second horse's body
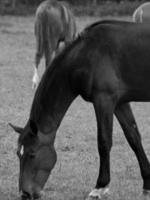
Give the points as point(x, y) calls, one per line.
point(54, 23)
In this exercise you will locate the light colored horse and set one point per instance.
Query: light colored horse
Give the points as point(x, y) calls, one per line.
point(54, 23)
point(142, 13)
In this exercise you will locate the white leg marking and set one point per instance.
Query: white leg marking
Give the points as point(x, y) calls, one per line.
point(98, 193)
point(35, 79)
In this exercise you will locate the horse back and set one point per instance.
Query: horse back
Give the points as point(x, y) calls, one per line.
point(117, 60)
point(125, 60)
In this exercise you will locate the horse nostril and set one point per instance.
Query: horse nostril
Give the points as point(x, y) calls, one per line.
point(36, 196)
point(25, 196)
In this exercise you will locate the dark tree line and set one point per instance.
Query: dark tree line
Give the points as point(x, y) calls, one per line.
point(14, 3)
point(76, 1)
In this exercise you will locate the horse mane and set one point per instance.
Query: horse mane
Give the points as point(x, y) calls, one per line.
point(106, 21)
point(80, 37)
point(57, 64)
point(47, 77)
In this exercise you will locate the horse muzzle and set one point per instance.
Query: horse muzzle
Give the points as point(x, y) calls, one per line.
point(27, 196)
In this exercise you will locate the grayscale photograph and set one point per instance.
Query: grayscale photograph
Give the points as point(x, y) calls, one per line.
point(74, 100)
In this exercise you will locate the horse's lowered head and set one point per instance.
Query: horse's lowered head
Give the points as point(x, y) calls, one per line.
point(37, 158)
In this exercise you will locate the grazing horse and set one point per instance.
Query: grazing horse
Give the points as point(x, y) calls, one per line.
point(108, 64)
point(142, 13)
point(54, 23)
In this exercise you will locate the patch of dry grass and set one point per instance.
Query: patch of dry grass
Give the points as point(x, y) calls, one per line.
point(77, 167)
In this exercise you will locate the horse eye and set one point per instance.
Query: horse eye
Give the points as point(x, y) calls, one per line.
point(18, 154)
point(32, 155)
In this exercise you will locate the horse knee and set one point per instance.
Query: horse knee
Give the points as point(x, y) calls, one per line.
point(104, 149)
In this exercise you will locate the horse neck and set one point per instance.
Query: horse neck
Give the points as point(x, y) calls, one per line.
point(54, 102)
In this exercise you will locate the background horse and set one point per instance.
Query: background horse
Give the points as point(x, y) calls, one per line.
point(54, 23)
point(142, 13)
point(107, 65)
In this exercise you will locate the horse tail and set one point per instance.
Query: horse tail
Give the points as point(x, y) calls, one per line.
point(66, 14)
point(43, 34)
point(49, 45)
point(38, 30)
point(73, 27)
point(69, 21)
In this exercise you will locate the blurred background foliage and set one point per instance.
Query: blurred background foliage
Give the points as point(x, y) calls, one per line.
point(80, 7)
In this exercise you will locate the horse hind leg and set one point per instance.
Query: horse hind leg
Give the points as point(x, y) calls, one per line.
point(126, 119)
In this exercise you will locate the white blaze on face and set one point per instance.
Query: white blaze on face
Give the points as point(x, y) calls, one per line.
point(35, 79)
point(22, 150)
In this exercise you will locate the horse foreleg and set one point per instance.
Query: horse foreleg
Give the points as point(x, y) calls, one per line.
point(103, 105)
point(126, 119)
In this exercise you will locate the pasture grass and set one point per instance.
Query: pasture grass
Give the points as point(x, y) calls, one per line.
point(77, 167)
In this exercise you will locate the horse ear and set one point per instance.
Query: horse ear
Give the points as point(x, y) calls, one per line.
point(16, 128)
point(33, 127)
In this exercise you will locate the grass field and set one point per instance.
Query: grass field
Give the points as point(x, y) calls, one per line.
point(77, 167)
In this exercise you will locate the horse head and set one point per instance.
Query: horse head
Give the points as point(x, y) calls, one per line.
point(37, 158)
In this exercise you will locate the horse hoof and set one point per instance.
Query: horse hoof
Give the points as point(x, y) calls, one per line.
point(146, 193)
point(92, 198)
point(98, 193)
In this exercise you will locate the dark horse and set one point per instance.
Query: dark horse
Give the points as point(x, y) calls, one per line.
point(54, 23)
point(109, 66)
